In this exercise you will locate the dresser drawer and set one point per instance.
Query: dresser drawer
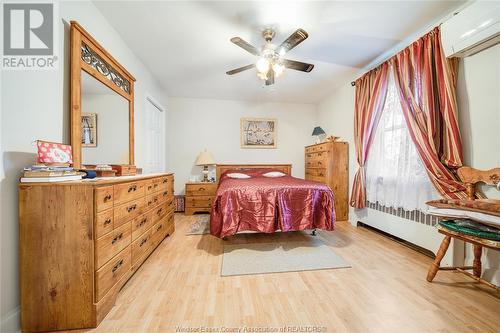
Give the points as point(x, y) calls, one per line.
point(128, 191)
point(128, 211)
point(141, 224)
point(103, 222)
point(166, 183)
point(152, 185)
point(199, 201)
point(158, 231)
point(322, 155)
point(170, 205)
point(321, 172)
point(152, 200)
point(319, 147)
point(111, 244)
point(103, 197)
point(160, 211)
point(141, 246)
point(109, 274)
point(319, 179)
point(200, 189)
point(316, 164)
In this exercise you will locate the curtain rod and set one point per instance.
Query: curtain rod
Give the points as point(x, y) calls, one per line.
point(420, 34)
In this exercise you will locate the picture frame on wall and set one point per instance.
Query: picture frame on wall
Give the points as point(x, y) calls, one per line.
point(89, 129)
point(258, 133)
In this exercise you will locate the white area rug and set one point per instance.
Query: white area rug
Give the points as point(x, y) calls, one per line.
point(260, 258)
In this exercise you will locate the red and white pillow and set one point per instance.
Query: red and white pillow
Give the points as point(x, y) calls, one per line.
point(50, 152)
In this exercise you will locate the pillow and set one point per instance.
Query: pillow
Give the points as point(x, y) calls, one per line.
point(237, 175)
point(274, 174)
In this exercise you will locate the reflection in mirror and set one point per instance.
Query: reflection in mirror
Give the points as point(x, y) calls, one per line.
point(105, 124)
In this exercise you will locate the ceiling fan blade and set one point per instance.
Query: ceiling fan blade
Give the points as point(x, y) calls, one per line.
point(298, 66)
point(293, 40)
point(246, 46)
point(240, 69)
point(270, 77)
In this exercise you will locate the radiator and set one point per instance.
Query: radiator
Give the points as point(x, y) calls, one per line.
point(413, 215)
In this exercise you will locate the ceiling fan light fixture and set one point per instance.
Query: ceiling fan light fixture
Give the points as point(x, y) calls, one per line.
point(278, 69)
point(262, 65)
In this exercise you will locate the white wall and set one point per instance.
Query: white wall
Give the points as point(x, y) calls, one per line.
point(196, 124)
point(479, 105)
point(35, 106)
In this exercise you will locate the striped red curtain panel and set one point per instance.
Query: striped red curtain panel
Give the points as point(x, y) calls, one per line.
point(371, 90)
point(426, 81)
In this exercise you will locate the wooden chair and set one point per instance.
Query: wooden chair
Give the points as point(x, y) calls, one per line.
point(470, 177)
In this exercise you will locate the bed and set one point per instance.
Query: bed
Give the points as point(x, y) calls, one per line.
point(266, 205)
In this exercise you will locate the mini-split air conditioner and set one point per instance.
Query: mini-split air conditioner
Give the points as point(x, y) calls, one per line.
point(474, 29)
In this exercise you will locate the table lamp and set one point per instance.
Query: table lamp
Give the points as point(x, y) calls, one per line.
point(318, 132)
point(205, 159)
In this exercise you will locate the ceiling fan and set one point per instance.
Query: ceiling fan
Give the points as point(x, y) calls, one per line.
point(271, 63)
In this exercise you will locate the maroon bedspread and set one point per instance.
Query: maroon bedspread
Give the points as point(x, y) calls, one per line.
point(266, 205)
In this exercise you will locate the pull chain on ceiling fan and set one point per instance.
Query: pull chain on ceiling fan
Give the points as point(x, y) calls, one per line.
point(271, 63)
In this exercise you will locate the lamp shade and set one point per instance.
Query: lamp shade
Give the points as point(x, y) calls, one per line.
point(318, 131)
point(205, 158)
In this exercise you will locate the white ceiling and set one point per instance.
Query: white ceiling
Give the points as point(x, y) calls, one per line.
point(186, 44)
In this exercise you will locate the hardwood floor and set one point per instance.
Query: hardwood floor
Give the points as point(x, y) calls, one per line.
point(385, 290)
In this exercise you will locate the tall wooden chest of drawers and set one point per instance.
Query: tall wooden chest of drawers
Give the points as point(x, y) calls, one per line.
point(328, 163)
point(81, 241)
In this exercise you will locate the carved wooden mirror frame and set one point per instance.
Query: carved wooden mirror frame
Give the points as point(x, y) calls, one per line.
point(88, 55)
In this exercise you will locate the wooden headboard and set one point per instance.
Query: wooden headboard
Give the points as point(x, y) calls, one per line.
point(221, 168)
point(470, 177)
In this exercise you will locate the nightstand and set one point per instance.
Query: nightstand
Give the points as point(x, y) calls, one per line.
point(199, 197)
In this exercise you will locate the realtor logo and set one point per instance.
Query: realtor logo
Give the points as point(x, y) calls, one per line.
point(28, 36)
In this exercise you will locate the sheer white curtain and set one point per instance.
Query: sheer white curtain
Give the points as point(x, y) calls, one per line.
point(395, 175)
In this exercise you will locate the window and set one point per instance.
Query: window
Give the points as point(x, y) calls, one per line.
point(395, 175)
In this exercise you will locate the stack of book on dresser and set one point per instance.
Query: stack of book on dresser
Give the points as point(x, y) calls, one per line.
point(43, 173)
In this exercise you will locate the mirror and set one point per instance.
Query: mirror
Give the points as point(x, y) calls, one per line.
point(104, 123)
point(102, 106)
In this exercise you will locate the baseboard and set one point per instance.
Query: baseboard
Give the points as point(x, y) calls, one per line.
point(11, 322)
point(422, 235)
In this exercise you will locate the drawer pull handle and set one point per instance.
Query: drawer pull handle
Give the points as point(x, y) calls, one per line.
point(143, 242)
point(117, 238)
point(150, 202)
point(118, 265)
point(108, 221)
point(150, 187)
point(155, 200)
point(201, 189)
point(165, 193)
point(159, 227)
point(132, 188)
point(131, 208)
point(165, 181)
point(155, 185)
point(159, 211)
point(107, 197)
point(144, 220)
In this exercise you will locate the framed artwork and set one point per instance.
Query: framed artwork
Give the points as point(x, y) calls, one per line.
point(258, 133)
point(89, 129)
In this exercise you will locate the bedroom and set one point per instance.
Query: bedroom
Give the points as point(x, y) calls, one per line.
point(325, 257)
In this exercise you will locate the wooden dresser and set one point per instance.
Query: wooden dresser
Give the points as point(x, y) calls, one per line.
point(199, 197)
point(81, 241)
point(328, 163)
